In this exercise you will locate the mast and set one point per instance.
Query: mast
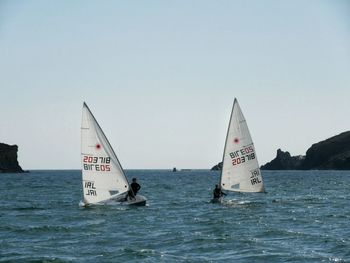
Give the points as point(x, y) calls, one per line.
point(228, 130)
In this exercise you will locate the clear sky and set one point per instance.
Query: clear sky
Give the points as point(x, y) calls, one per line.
point(161, 76)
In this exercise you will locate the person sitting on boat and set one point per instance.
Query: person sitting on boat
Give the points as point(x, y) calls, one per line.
point(217, 193)
point(135, 187)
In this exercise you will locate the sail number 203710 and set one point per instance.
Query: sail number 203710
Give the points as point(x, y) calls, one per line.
point(99, 164)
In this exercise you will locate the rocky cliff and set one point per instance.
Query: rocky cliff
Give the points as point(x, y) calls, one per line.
point(284, 161)
point(330, 154)
point(8, 159)
point(217, 167)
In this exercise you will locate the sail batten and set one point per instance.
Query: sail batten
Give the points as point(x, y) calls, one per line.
point(240, 170)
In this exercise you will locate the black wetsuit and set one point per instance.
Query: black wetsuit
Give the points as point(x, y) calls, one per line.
point(135, 187)
point(217, 193)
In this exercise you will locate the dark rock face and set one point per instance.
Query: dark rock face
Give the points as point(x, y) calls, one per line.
point(330, 154)
point(217, 167)
point(8, 159)
point(284, 161)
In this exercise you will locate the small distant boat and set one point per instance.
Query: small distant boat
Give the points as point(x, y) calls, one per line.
point(240, 170)
point(103, 177)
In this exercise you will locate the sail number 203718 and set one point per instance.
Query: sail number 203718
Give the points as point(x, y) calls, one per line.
point(242, 155)
point(99, 164)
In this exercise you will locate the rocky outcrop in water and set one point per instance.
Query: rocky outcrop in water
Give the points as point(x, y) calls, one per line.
point(8, 159)
point(284, 161)
point(330, 154)
point(217, 167)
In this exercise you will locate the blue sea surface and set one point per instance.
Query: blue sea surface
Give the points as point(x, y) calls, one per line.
point(304, 217)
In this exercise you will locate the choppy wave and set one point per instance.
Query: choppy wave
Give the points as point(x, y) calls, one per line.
point(41, 221)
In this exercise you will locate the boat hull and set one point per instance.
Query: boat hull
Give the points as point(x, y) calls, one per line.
point(138, 200)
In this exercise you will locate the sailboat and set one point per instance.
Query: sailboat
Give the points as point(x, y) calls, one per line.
point(240, 169)
point(103, 177)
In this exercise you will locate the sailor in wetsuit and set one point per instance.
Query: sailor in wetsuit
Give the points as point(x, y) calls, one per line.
point(135, 187)
point(217, 193)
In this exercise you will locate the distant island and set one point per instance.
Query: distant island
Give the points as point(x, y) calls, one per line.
point(217, 167)
point(8, 159)
point(330, 154)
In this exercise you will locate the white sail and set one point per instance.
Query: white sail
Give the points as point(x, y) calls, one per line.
point(240, 170)
point(103, 176)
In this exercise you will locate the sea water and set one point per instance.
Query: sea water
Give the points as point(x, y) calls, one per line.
point(303, 217)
